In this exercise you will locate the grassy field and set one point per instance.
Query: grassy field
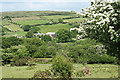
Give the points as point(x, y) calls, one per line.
point(53, 28)
point(13, 27)
point(19, 33)
point(33, 13)
point(31, 22)
point(97, 71)
point(24, 18)
point(75, 20)
point(5, 22)
point(56, 17)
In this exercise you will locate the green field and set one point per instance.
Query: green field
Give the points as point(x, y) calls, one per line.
point(53, 28)
point(19, 14)
point(5, 22)
point(32, 22)
point(13, 27)
point(97, 71)
point(75, 20)
point(56, 17)
point(19, 33)
point(24, 18)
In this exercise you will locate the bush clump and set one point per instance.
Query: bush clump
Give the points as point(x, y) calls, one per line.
point(62, 67)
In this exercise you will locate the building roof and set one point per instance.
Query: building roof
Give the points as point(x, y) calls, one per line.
point(50, 33)
point(40, 34)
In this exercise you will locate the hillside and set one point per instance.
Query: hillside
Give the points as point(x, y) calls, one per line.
point(47, 21)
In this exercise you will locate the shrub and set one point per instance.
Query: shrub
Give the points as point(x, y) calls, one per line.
point(7, 58)
point(35, 29)
point(10, 41)
point(26, 27)
point(46, 38)
point(63, 35)
point(74, 33)
point(60, 20)
point(29, 34)
point(17, 61)
point(62, 66)
point(42, 74)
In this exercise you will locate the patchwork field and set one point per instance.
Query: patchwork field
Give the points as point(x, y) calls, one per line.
point(13, 27)
point(19, 14)
point(32, 22)
point(4, 22)
point(24, 18)
point(55, 17)
point(53, 28)
point(19, 33)
point(97, 71)
point(75, 20)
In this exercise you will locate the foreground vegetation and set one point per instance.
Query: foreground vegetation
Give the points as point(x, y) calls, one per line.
point(97, 71)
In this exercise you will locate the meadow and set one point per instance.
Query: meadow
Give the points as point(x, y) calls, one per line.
point(18, 14)
point(5, 23)
point(97, 70)
point(13, 27)
point(24, 18)
point(75, 20)
point(53, 28)
point(19, 33)
point(56, 17)
point(32, 22)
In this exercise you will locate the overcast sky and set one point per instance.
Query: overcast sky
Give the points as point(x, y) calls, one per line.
point(45, 0)
point(38, 5)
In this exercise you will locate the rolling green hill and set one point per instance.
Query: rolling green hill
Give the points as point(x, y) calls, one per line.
point(39, 19)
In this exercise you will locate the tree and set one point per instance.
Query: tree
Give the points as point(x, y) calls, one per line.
point(10, 41)
point(63, 35)
point(46, 38)
point(29, 34)
point(26, 27)
point(20, 51)
point(74, 33)
point(62, 66)
point(35, 29)
point(104, 21)
point(60, 20)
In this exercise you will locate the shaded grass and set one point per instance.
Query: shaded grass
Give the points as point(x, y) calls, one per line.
point(97, 70)
point(53, 28)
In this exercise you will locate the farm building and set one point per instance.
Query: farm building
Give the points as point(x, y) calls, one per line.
point(51, 34)
point(39, 34)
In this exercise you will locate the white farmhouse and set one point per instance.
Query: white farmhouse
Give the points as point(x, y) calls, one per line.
point(51, 34)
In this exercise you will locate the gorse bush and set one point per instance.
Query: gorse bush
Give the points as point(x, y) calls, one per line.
point(24, 61)
point(62, 67)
